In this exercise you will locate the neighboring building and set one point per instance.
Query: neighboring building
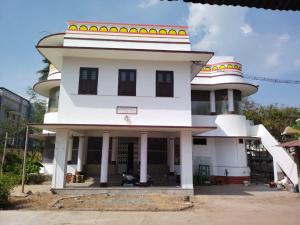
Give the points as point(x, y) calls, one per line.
point(15, 108)
point(133, 97)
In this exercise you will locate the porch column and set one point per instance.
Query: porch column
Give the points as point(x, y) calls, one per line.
point(85, 148)
point(186, 159)
point(80, 154)
point(172, 155)
point(60, 159)
point(70, 147)
point(104, 159)
point(230, 101)
point(143, 155)
point(114, 147)
point(212, 102)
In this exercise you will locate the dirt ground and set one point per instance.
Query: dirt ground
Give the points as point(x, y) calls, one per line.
point(230, 204)
point(104, 202)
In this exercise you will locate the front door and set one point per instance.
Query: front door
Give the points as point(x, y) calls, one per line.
point(130, 155)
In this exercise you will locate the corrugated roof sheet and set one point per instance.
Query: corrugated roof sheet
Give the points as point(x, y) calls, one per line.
point(293, 5)
point(295, 143)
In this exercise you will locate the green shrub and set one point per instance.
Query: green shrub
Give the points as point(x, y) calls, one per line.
point(7, 182)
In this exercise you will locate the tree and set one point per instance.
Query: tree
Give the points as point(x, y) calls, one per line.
point(45, 71)
point(274, 117)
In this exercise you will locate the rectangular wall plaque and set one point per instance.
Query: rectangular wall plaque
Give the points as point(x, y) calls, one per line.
point(126, 110)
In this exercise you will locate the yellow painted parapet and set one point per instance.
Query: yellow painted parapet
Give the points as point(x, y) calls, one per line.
point(127, 28)
point(222, 67)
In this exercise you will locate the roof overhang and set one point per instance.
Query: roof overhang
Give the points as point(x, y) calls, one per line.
point(265, 4)
point(56, 53)
point(53, 127)
point(44, 87)
point(246, 88)
point(289, 144)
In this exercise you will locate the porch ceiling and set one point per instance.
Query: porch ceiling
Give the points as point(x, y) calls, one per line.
point(113, 127)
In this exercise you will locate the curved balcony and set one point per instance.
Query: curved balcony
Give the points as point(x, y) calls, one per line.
point(53, 80)
point(223, 73)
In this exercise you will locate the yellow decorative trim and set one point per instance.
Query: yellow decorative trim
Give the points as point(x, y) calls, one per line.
point(128, 28)
point(153, 31)
point(163, 31)
point(222, 67)
point(133, 30)
point(123, 30)
point(103, 29)
point(182, 32)
point(143, 31)
point(93, 28)
point(172, 32)
point(83, 27)
point(73, 27)
point(113, 29)
point(215, 68)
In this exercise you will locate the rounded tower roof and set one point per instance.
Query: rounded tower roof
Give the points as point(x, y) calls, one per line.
point(223, 72)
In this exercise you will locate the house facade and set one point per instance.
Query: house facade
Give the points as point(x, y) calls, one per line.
point(136, 98)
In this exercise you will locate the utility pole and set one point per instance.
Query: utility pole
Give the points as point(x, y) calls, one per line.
point(4, 152)
point(24, 160)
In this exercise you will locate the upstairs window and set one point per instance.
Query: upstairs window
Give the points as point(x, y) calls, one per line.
point(164, 84)
point(127, 82)
point(88, 81)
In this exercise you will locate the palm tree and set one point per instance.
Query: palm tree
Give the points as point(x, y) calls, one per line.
point(44, 72)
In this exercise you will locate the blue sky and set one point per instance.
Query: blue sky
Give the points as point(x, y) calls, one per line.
point(266, 42)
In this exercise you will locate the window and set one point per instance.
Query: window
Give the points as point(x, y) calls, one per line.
point(221, 101)
point(199, 141)
point(164, 84)
point(237, 101)
point(241, 141)
point(127, 82)
point(88, 81)
point(200, 102)
point(53, 100)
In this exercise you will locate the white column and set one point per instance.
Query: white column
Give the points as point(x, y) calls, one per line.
point(212, 102)
point(230, 101)
point(60, 158)
point(172, 155)
point(80, 154)
point(114, 147)
point(70, 148)
point(186, 159)
point(85, 148)
point(143, 155)
point(168, 152)
point(104, 159)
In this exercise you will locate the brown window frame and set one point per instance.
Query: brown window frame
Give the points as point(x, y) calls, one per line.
point(88, 86)
point(127, 87)
point(164, 88)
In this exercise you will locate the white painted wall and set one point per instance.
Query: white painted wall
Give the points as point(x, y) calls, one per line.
point(227, 125)
point(101, 108)
point(221, 154)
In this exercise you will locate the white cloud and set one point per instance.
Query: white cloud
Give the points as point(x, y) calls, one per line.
point(246, 29)
point(227, 31)
point(148, 3)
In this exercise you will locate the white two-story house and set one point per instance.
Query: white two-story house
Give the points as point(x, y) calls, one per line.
point(136, 98)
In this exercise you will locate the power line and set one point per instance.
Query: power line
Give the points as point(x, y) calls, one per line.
point(272, 80)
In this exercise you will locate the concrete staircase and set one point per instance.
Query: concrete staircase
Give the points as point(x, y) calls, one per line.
point(281, 159)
